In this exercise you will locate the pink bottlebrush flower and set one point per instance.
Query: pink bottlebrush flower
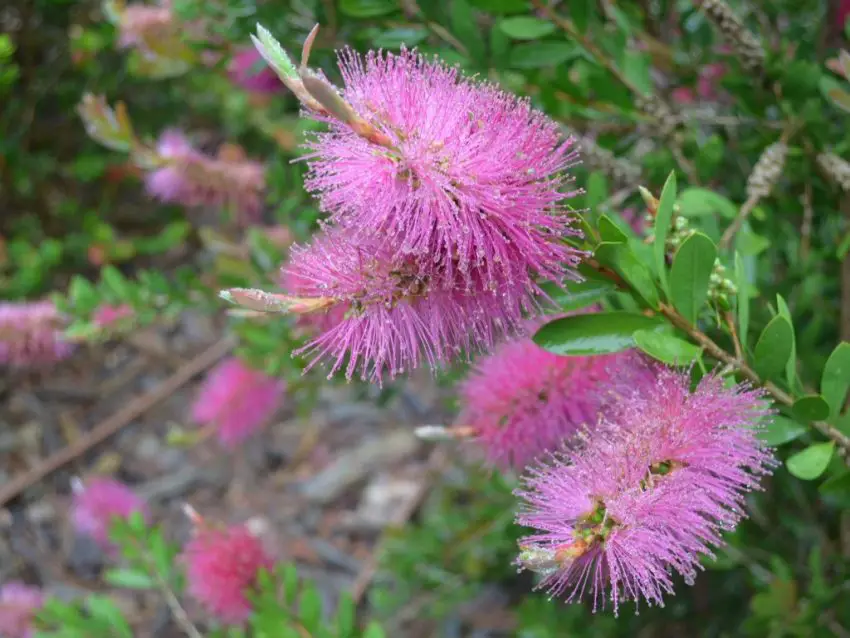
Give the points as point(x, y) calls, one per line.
point(387, 315)
point(222, 566)
point(237, 400)
point(30, 334)
point(683, 95)
point(18, 605)
point(522, 401)
point(636, 219)
point(709, 78)
point(472, 178)
point(190, 178)
point(106, 314)
point(98, 503)
point(248, 70)
point(647, 495)
point(143, 23)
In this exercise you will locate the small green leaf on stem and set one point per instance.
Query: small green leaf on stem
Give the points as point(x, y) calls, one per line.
point(773, 347)
point(781, 430)
point(811, 462)
point(601, 333)
point(811, 408)
point(663, 219)
point(666, 347)
point(836, 378)
point(690, 274)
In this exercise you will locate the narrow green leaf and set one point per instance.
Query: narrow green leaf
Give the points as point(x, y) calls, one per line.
point(534, 55)
point(114, 282)
point(697, 202)
point(290, 584)
point(129, 579)
point(578, 294)
point(791, 365)
point(838, 484)
point(622, 259)
point(346, 617)
point(666, 348)
point(836, 378)
point(743, 301)
point(773, 347)
point(781, 430)
point(610, 232)
point(526, 27)
point(594, 334)
point(596, 189)
point(811, 408)
point(366, 8)
point(811, 462)
point(663, 219)
point(466, 28)
point(840, 98)
point(374, 631)
point(310, 608)
point(689, 276)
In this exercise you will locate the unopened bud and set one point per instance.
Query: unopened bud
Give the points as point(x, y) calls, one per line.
point(837, 169)
point(444, 433)
point(767, 171)
point(745, 44)
point(271, 51)
point(262, 301)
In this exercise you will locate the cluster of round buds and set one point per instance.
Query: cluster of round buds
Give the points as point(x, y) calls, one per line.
point(663, 117)
point(745, 44)
point(767, 171)
point(837, 169)
point(619, 170)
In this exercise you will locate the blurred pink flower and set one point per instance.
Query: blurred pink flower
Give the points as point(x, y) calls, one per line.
point(98, 503)
point(709, 78)
point(18, 605)
point(30, 334)
point(106, 315)
point(683, 95)
point(473, 181)
point(192, 179)
point(143, 23)
point(248, 70)
point(237, 400)
point(222, 566)
point(523, 401)
point(649, 494)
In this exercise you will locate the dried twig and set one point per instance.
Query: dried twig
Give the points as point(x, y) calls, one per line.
point(436, 462)
point(117, 420)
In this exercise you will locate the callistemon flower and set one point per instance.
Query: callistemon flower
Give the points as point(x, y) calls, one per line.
point(648, 494)
point(30, 334)
point(222, 567)
point(18, 605)
point(190, 178)
point(237, 400)
point(247, 69)
point(98, 503)
point(396, 314)
point(468, 177)
point(140, 24)
point(522, 401)
point(107, 315)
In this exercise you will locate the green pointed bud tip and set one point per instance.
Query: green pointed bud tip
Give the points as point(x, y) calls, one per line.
point(225, 294)
point(271, 51)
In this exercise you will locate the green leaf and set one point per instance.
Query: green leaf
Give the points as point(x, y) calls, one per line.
point(502, 6)
point(129, 578)
point(535, 55)
point(346, 617)
point(773, 347)
point(838, 484)
point(578, 294)
point(811, 462)
point(374, 631)
point(636, 67)
point(666, 348)
point(602, 333)
point(465, 27)
point(367, 8)
point(696, 202)
point(836, 378)
point(597, 190)
point(811, 408)
point(103, 608)
point(689, 276)
point(781, 430)
point(83, 295)
point(526, 27)
point(791, 365)
point(610, 232)
point(840, 98)
point(663, 219)
point(622, 259)
point(743, 301)
point(115, 282)
point(310, 607)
